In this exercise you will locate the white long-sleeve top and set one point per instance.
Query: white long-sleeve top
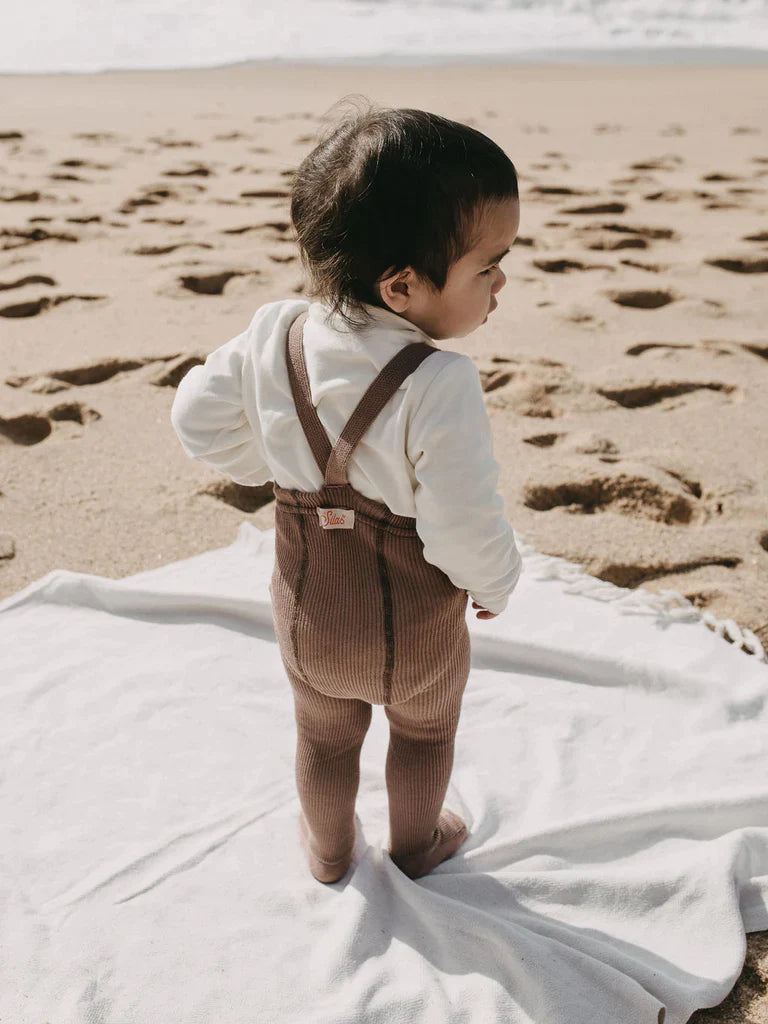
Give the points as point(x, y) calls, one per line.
point(427, 455)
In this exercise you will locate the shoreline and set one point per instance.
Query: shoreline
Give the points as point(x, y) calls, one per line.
point(577, 57)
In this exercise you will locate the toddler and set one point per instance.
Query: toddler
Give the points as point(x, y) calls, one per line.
point(379, 448)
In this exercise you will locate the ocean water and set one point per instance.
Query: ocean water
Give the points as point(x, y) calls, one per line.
point(100, 35)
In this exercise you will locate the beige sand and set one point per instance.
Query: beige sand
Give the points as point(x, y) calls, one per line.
point(145, 218)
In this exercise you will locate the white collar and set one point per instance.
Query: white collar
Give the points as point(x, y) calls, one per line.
point(385, 317)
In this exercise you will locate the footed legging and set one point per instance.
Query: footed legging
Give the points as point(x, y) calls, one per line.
point(330, 734)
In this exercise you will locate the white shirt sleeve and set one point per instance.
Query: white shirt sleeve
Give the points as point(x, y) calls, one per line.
point(459, 512)
point(209, 418)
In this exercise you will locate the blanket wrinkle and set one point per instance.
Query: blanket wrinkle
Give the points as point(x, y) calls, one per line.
point(612, 767)
point(138, 865)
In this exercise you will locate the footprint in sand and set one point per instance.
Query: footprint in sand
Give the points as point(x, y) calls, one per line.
point(720, 176)
point(648, 346)
point(581, 442)
point(278, 230)
point(68, 176)
point(636, 395)
point(26, 429)
point(29, 429)
point(150, 197)
point(558, 190)
point(163, 250)
point(492, 379)
point(642, 232)
point(666, 196)
point(29, 279)
point(642, 298)
point(526, 388)
point(239, 496)
point(596, 208)
point(720, 205)
point(211, 284)
point(154, 195)
point(714, 348)
point(266, 193)
point(197, 169)
point(635, 179)
point(653, 268)
point(623, 575)
point(562, 265)
point(630, 488)
point(741, 264)
point(611, 244)
point(543, 440)
point(77, 162)
point(104, 369)
point(36, 306)
point(176, 368)
point(667, 162)
point(580, 317)
point(603, 236)
point(26, 197)
point(755, 349)
point(172, 221)
point(7, 546)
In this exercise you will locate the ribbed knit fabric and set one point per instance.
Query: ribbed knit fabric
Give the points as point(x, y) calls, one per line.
point(362, 618)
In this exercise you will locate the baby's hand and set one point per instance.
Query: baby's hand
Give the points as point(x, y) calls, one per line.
point(484, 613)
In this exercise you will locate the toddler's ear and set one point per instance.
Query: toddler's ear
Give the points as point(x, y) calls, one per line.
point(397, 289)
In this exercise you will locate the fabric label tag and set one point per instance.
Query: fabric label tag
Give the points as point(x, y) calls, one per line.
point(337, 518)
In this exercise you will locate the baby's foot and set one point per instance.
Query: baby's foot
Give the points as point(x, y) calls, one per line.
point(447, 838)
point(323, 870)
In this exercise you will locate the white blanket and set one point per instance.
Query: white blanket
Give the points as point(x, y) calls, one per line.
point(611, 764)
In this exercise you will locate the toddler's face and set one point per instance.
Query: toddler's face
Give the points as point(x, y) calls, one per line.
point(470, 289)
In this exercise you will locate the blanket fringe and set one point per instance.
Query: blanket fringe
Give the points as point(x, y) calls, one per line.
point(669, 604)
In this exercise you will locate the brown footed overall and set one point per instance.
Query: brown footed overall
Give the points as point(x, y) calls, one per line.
point(362, 618)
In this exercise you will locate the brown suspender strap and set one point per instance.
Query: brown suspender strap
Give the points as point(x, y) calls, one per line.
point(302, 396)
point(333, 461)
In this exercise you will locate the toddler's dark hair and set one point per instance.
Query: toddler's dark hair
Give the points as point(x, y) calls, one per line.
point(392, 188)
